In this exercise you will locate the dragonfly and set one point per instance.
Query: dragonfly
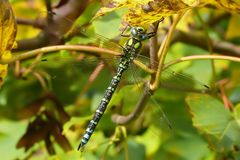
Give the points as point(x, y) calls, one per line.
point(130, 51)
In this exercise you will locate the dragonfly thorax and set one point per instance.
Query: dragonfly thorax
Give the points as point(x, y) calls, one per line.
point(132, 48)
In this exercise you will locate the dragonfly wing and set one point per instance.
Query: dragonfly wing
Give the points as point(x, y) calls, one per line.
point(182, 82)
point(75, 32)
point(139, 82)
point(55, 66)
point(176, 80)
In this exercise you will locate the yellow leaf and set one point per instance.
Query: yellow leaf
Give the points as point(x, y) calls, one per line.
point(145, 12)
point(7, 35)
point(228, 5)
point(233, 27)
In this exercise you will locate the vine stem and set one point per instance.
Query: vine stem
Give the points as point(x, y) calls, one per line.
point(162, 52)
point(201, 57)
point(51, 49)
point(43, 50)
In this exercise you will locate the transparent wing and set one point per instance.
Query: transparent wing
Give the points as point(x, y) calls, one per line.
point(178, 81)
point(56, 66)
point(161, 117)
point(169, 79)
point(76, 32)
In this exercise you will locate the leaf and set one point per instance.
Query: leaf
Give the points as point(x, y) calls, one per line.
point(231, 5)
point(150, 139)
point(74, 121)
point(214, 121)
point(233, 27)
point(124, 93)
point(7, 36)
point(133, 148)
point(10, 132)
point(144, 12)
point(73, 155)
point(237, 113)
point(191, 147)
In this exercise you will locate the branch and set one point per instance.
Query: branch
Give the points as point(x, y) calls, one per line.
point(52, 34)
point(222, 47)
point(201, 57)
point(51, 49)
point(122, 119)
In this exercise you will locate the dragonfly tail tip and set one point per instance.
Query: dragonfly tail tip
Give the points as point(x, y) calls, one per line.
point(81, 147)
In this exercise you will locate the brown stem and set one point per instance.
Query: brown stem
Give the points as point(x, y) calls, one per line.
point(48, 5)
point(199, 40)
point(33, 23)
point(153, 48)
point(121, 119)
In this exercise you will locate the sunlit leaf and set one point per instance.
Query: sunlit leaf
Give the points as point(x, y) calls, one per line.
point(230, 6)
point(7, 35)
point(74, 121)
point(73, 155)
point(143, 12)
point(237, 113)
point(233, 27)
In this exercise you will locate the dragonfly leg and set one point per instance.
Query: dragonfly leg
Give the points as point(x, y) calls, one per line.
point(151, 34)
point(122, 33)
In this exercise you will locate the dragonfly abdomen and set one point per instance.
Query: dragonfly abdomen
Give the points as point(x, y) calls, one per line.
point(123, 65)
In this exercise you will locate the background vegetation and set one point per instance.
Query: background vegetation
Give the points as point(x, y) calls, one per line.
point(51, 84)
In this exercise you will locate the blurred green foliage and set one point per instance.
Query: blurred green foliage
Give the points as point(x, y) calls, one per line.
point(44, 113)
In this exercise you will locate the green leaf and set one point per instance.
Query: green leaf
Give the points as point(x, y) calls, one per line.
point(113, 20)
point(10, 133)
point(212, 119)
point(124, 92)
point(237, 113)
point(135, 151)
point(74, 121)
point(151, 139)
point(188, 148)
point(73, 155)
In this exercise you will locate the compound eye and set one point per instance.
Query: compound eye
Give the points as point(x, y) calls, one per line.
point(134, 31)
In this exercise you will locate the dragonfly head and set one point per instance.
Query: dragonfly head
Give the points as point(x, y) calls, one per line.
point(139, 33)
